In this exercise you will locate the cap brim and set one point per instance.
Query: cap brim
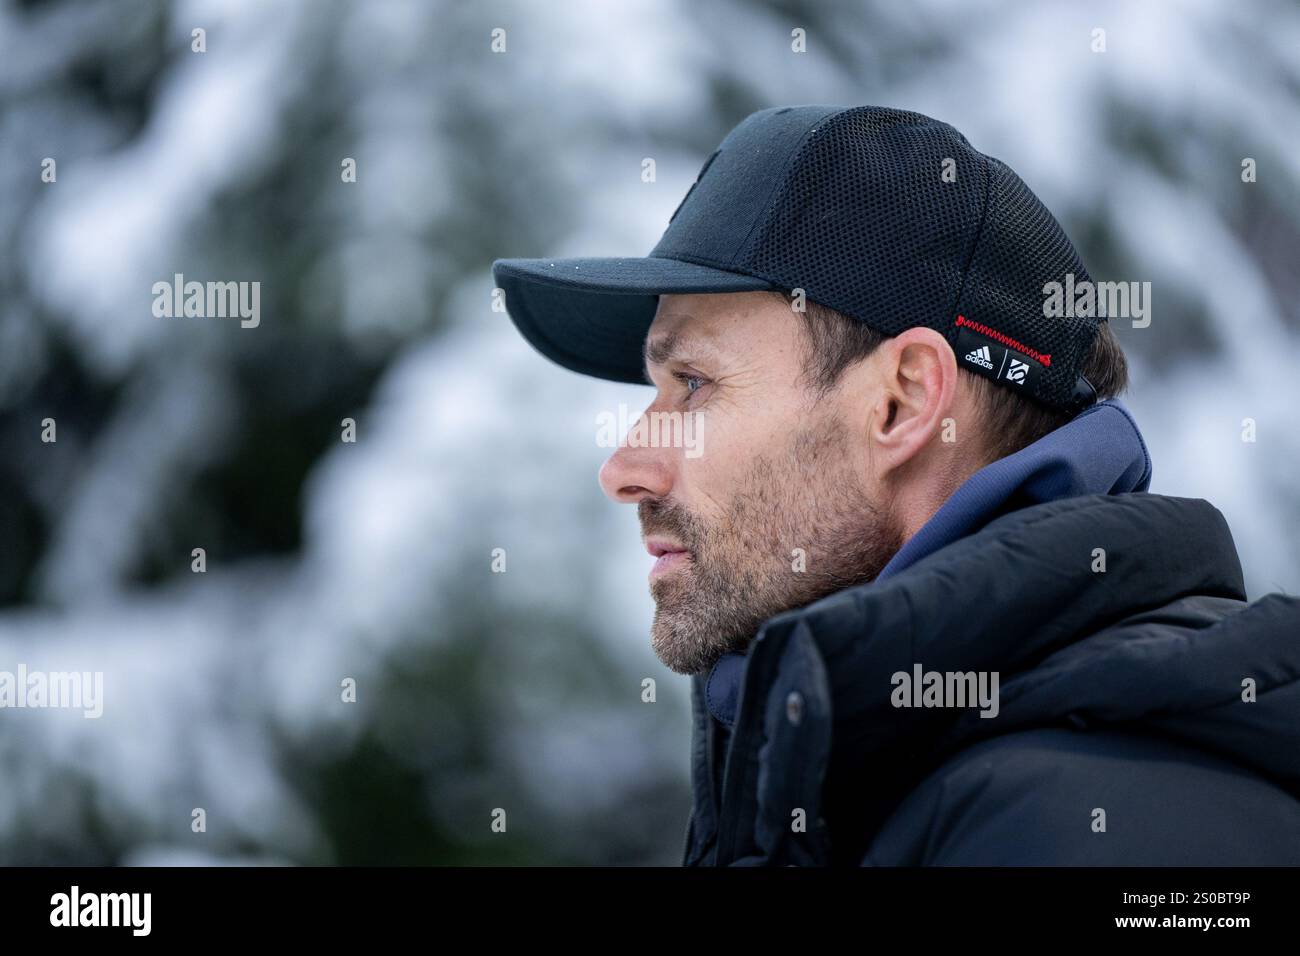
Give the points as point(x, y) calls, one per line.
point(592, 315)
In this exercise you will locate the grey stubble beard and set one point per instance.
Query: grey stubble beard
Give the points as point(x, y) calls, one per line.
point(741, 568)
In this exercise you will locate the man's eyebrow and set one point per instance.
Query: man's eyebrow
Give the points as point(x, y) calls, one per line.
point(660, 348)
point(667, 346)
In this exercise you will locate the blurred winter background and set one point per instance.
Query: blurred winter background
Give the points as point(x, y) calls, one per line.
point(370, 560)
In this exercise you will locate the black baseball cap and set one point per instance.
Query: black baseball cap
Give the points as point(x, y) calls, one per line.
point(887, 216)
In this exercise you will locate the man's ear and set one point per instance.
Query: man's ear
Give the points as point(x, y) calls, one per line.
point(917, 375)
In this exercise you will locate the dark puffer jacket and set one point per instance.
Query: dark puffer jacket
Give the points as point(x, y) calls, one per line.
point(1121, 738)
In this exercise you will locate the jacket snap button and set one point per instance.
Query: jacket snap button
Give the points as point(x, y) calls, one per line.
point(794, 707)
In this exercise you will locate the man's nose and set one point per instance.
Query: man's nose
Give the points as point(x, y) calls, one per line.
point(634, 473)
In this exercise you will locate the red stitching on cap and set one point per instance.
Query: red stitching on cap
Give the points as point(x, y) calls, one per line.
point(1005, 340)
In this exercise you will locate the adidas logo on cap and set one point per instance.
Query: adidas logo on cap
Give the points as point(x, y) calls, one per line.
point(980, 356)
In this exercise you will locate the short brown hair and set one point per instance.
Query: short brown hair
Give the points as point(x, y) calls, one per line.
point(1011, 420)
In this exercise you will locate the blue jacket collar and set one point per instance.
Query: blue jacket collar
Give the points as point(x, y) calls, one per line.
point(1100, 451)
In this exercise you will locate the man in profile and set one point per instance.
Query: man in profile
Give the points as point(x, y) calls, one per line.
point(930, 613)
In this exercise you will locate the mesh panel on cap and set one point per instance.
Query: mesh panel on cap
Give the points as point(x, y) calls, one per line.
point(865, 224)
point(1021, 248)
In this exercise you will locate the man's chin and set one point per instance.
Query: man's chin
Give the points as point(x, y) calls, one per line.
point(689, 642)
point(681, 659)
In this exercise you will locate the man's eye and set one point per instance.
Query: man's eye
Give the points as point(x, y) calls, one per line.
point(692, 382)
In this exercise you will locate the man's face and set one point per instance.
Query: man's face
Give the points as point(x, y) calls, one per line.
point(773, 508)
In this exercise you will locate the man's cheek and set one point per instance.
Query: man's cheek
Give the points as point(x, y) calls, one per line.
point(692, 435)
point(695, 489)
point(708, 483)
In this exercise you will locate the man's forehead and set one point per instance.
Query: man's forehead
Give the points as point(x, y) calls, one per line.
point(680, 338)
point(692, 323)
point(723, 328)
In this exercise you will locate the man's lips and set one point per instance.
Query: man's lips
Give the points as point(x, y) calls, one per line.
point(669, 553)
point(662, 546)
